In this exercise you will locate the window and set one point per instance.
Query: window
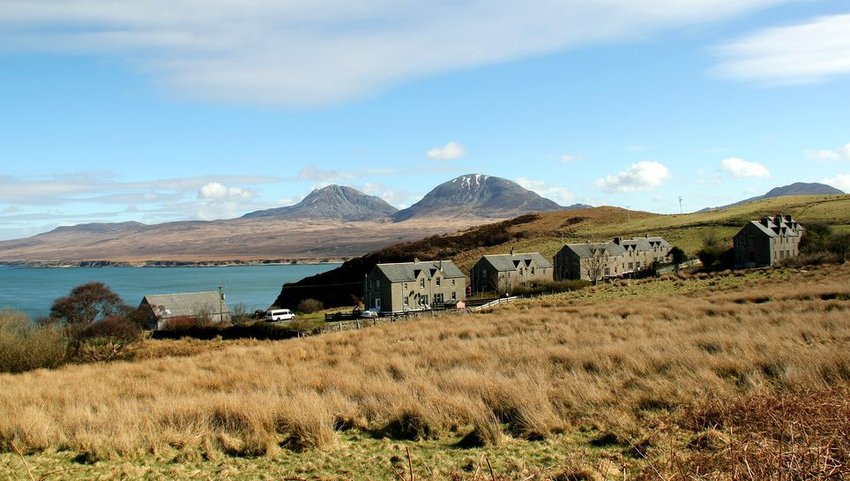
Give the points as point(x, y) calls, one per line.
point(607, 271)
point(438, 281)
point(453, 282)
point(454, 296)
point(532, 271)
point(422, 283)
point(377, 283)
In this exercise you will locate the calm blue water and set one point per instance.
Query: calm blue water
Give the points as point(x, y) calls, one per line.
point(32, 290)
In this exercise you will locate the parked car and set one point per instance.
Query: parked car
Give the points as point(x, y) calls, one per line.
point(369, 314)
point(279, 315)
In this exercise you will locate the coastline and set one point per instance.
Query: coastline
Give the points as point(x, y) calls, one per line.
point(169, 263)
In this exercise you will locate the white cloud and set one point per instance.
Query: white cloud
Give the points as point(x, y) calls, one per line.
point(796, 54)
point(322, 51)
point(559, 194)
point(218, 191)
point(641, 176)
point(451, 151)
point(569, 158)
point(841, 181)
point(740, 168)
point(825, 155)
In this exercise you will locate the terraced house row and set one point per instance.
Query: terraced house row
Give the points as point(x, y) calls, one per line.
point(617, 258)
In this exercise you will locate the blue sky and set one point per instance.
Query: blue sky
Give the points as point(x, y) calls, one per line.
point(158, 111)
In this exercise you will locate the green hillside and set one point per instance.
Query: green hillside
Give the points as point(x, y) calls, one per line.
point(547, 232)
point(551, 230)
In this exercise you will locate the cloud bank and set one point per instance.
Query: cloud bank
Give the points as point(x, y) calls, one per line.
point(796, 54)
point(308, 52)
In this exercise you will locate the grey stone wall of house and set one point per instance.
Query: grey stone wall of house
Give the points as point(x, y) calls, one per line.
point(596, 261)
point(413, 286)
point(501, 273)
point(767, 241)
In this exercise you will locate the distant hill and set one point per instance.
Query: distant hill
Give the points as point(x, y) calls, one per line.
point(476, 195)
point(101, 228)
point(332, 202)
point(802, 188)
point(797, 188)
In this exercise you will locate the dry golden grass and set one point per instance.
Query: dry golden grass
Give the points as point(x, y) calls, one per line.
point(531, 372)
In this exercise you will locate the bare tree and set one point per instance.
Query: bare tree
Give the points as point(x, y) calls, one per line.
point(595, 263)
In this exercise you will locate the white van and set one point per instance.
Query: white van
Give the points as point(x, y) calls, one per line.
point(279, 315)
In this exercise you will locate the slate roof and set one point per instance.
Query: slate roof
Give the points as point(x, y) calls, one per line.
point(587, 250)
point(510, 262)
point(640, 244)
point(408, 271)
point(187, 304)
point(772, 229)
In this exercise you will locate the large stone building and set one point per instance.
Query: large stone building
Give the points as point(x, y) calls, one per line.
point(499, 273)
point(589, 261)
point(412, 286)
point(767, 241)
point(620, 257)
point(164, 310)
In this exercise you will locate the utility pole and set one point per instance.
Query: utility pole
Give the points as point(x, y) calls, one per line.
point(220, 303)
point(680, 205)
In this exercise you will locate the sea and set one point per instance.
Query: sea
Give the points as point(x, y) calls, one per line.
point(33, 289)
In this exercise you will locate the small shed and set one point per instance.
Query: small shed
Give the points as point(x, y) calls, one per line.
point(165, 309)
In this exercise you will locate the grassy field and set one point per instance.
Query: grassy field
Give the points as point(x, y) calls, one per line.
point(552, 230)
point(727, 376)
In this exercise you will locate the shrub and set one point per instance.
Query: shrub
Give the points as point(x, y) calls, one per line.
point(309, 306)
point(25, 346)
point(105, 340)
point(549, 287)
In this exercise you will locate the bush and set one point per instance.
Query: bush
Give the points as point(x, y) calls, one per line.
point(550, 287)
point(25, 346)
point(105, 340)
point(309, 306)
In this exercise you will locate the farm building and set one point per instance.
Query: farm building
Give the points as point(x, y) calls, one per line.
point(412, 286)
point(163, 309)
point(499, 273)
point(767, 241)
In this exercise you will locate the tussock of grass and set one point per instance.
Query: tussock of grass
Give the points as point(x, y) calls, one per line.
point(25, 346)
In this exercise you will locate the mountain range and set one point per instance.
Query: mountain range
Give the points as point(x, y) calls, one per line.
point(334, 222)
point(331, 223)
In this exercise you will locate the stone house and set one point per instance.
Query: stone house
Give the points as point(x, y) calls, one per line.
point(620, 257)
point(643, 253)
point(767, 241)
point(588, 261)
point(499, 273)
point(413, 286)
point(162, 309)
